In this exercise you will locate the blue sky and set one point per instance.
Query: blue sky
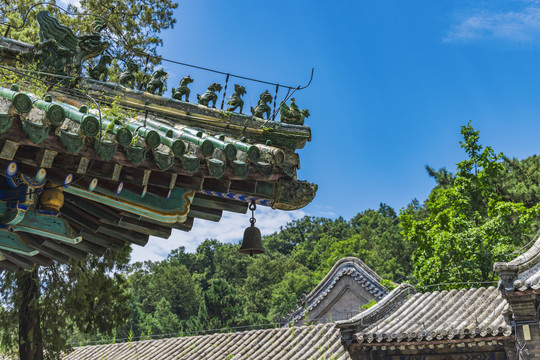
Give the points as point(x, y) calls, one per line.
point(394, 80)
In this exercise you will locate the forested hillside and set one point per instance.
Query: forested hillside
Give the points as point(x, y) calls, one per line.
point(480, 214)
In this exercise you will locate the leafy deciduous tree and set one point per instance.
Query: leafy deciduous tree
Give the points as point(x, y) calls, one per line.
point(469, 225)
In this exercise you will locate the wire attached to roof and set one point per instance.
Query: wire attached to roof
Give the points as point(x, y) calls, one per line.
point(146, 55)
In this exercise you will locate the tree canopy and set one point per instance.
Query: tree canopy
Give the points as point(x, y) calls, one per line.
point(473, 221)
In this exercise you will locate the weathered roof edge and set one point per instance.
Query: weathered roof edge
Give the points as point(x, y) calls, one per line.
point(301, 343)
point(342, 264)
point(387, 305)
point(352, 266)
point(509, 271)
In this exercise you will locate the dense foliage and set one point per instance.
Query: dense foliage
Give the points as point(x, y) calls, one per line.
point(217, 288)
point(480, 214)
point(476, 217)
point(84, 296)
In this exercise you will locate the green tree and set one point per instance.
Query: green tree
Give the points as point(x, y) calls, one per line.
point(520, 180)
point(152, 282)
point(382, 247)
point(469, 224)
point(289, 290)
point(443, 177)
point(221, 306)
point(264, 274)
point(162, 322)
point(49, 304)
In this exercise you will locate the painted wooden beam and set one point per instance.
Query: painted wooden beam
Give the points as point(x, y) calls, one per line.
point(185, 226)
point(221, 185)
point(13, 242)
point(126, 235)
point(109, 242)
point(65, 249)
point(173, 210)
point(105, 213)
point(243, 186)
point(89, 247)
point(78, 216)
point(144, 227)
point(37, 243)
point(18, 260)
point(40, 259)
point(220, 203)
point(9, 266)
point(205, 213)
point(47, 226)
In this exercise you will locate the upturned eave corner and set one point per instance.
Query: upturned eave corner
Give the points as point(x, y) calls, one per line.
point(294, 195)
point(132, 162)
point(519, 272)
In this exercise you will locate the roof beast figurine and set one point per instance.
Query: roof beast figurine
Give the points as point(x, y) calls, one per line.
point(291, 114)
point(236, 98)
point(210, 95)
point(155, 85)
point(127, 78)
point(183, 90)
point(262, 107)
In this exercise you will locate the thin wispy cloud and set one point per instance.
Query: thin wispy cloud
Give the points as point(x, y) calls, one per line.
point(230, 229)
point(521, 25)
point(65, 3)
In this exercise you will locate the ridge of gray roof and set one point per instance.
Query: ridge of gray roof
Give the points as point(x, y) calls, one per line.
point(405, 316)
point(299, 343)
point(523, 272)
point(381, 310)
point(351, 266)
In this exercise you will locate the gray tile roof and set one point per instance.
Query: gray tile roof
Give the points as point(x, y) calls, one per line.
point(405, 316)
point(523, 272)
point(300, 343)
point(349, 266)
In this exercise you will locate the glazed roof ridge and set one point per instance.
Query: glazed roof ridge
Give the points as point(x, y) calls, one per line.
point(523, 272)
point(444, 315)
point(300, 343)
point(351, 266)
point(197, 138)
point(106, 88)
point(132, 98)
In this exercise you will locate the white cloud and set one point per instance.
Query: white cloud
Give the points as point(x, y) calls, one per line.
point(65, 3)
point(522, 25)
point(229, 229)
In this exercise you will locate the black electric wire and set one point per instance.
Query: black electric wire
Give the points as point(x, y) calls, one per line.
point(146, 55)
